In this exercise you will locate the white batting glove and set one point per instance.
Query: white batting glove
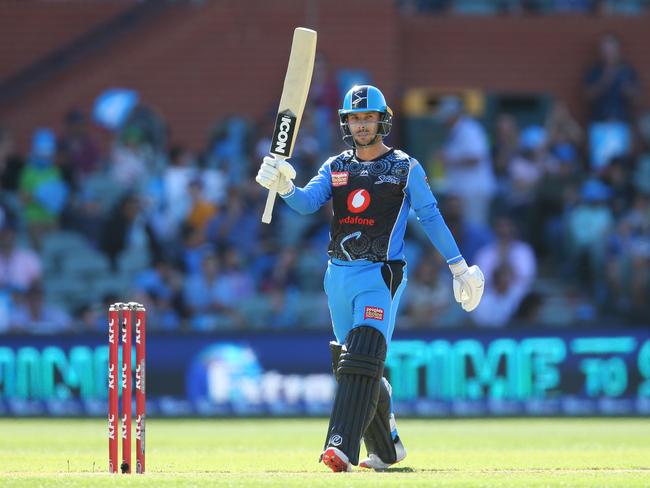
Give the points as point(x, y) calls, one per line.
point(276, 176)
point(469, 284)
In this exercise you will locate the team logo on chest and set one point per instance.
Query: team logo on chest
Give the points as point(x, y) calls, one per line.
point(358, 200)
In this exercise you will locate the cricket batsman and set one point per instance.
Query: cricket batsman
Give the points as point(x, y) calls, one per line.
point(373, 187)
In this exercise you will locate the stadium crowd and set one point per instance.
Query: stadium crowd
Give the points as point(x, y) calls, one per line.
point(557, 215)
point(524, 7)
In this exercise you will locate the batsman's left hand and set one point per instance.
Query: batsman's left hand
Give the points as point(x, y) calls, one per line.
point(469, 284)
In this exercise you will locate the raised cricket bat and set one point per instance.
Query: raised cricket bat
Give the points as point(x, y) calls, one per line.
point(292, 102)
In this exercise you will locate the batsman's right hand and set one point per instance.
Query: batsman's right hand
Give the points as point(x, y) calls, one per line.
point(276, 175)
point(469, 284)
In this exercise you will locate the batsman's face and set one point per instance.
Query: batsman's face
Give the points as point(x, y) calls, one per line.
point(363, 126)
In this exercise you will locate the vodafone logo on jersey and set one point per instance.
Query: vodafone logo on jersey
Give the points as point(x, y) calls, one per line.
point(358, 200)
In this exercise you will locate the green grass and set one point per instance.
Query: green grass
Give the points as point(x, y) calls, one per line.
point(284, 453)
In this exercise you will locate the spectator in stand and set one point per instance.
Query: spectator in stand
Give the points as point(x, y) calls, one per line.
point(574, 6)
point(201, 210)
point(277, 303)
point(423, 6)
point(588, 226)
point(228, 149)
point(466, 157)
point(193, 249)
point(564, 136)
point(85, 215)
point(160, 289)
point(78, 153)
point(234, 282)
point(284, 273)
point(628, 266)
point(505, 148)
point(517, 254)
point(127, 228)
point(281, 311)
point(613, 91)
point(526, 168)
point(470, 237)
point(90, 317)
point(178, 174)
point(557, 192)
point(131, 159)
point(324, 95)
point(621, 7)
point(238, 224)
point(33, 314)
point(212, 296)
point(619, 177)
point(197, 292)
point(639, 222)
point(279, 298)
point(504, 298)
point(611, 85)
point(642, 172)
point(42, 188)
point(429, 301)
point(11, 165)
point(525, 173)
point(20, 267)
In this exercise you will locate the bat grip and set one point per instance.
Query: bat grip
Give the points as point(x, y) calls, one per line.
point(270, 200)
point(268, 208)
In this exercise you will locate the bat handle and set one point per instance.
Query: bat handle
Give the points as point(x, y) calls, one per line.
point(268, 208)
point(270, 200)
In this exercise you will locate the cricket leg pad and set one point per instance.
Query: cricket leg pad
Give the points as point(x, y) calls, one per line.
point(375, 462)
point(336, 350)
point(360, 370)
point(378, 437)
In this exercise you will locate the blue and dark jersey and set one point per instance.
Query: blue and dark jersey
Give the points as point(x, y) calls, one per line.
point(371, 201)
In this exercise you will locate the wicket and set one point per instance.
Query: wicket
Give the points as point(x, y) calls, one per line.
point(125, 312)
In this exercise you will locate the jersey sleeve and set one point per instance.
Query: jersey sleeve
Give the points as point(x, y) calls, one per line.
point(426, 208)
point(314, 194)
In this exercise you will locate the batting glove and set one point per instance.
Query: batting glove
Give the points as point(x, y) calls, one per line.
point(469, 284)
point(276, 175)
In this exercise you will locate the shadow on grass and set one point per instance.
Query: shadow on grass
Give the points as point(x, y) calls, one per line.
point(405, 469)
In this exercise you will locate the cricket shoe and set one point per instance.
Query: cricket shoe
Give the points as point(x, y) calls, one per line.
point(336, 460)
point(374, 462)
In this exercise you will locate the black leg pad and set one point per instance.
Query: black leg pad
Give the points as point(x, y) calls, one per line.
point(336, 350)
point(378, 438)
point(360, 369)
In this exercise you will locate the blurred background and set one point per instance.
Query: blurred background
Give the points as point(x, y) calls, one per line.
point(130, 134)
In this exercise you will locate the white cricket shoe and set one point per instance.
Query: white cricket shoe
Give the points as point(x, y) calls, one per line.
point(374, 462)
point(336, 460)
